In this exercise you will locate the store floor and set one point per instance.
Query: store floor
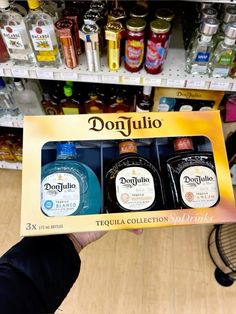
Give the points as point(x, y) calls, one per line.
point(163, 271)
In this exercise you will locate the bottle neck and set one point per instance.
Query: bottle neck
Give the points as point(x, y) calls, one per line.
point(66, 151)
point(229, 41)
point(205, 38)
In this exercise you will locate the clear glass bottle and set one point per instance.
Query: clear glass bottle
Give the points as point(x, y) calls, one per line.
point(69, 187)
point(199, 56)
point(223, 57)
point(144, 104)
point(26, 99)
point(15, 36)
point(41, 29)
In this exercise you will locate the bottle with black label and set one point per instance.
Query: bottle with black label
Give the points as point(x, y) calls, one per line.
point(132, 183)
point(144, 103)
point(192, 176)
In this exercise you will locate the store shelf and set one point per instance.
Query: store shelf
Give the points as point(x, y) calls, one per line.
point(10, 165)
point(9, 121)
point(174, 74)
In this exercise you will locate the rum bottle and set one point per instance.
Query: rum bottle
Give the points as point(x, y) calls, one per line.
point(69, 187)
point(192, 176)
point(132, 182)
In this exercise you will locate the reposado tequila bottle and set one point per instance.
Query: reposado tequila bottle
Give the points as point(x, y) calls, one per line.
point(223, 57)
point(69, 187)
point(202, 49)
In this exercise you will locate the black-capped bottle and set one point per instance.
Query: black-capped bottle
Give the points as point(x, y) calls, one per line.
point(132, 182)
point(192, 176)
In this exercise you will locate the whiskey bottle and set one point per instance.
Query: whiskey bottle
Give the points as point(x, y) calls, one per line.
point(132, 182)
point(192, 175)
point(93, 104)
point(145, 103)
point(69, 187)
point(68, 104)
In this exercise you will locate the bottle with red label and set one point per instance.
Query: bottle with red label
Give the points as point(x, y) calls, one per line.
point(134, 45)
point(157, 46)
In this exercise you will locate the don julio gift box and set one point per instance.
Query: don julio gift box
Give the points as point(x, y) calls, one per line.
point(134, 184)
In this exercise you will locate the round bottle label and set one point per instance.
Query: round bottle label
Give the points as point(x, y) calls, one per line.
point(135, 188)
point(198, 185)
point(60, 194)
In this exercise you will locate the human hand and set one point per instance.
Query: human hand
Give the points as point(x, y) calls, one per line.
point(82, 239)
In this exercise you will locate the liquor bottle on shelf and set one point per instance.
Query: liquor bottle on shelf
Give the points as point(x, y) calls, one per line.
point(26, 100)
point(199, 56)
point(4, 56)
point(120, 104)
point(50, 107)
point(93, 104)
point(42, 34)
point(224, 54)
point(8, 105)
point(192, 175)
point(145, 102)
point(132, 182)
point(14, 33)
point(68, 104)
point(69, 187)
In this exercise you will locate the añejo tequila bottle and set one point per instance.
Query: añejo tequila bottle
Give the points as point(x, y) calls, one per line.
point(199, 56)
point(224, 54)
point(15, 36)
point(69, 187)
point(42, 34)
point(132, 182)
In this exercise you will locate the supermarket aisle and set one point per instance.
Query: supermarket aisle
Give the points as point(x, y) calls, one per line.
point(163, 271)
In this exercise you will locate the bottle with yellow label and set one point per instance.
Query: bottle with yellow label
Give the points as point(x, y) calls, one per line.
point(68, 104)
point(42, 34)
point(113, 33)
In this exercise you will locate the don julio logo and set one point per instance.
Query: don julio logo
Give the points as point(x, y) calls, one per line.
point(124, 125)
point(134, 180)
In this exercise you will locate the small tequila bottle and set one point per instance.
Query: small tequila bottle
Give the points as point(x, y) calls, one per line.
point(199, 56)
point(15, 36)
point(223, 57)
point(42, 34)
point(69, 187)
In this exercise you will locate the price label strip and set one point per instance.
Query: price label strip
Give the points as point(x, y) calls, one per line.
point(175, 83)
point(130, 79)
point(1, 72)
point(219, 85)
point(23, 73)
point(201, 84)
point(42, 74)
point(90, 78)
point(151, 81)
point(72, 76)
point(110, 79)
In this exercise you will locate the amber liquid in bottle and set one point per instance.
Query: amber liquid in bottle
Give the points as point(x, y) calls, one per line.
point(120, 105)
point(94, 105)
point(132, 183)
point(192, 176)
point(68, 103)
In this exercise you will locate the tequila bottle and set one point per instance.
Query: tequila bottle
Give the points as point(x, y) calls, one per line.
point(199, 56)
point(42, 34)
point(132, 182)
point(14, 33)
point(223, 57)
point(69, 187)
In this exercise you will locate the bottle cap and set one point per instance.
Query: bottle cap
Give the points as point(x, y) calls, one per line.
point(160, 26)
point(206, 5)
point(230, 30)
point(209, 26)
point(147, 90)
point(139, 11)
point(128, 146)
point(33, 4)
point(68, 91)
point(4, 4)
point(136, 24)
point(230, 15)
point(183, 143)
point(165, 14)
point(209, 12)
point(19, 85)
point(66, 149)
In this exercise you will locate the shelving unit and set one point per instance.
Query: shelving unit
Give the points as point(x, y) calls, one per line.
point(10, 165)
point(13, 122)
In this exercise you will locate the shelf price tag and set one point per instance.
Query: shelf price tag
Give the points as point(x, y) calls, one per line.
point(151, 81)
point(196, 84)
point(23, 73)
point(1, 72)
point(89, 78)
point(175, 83)
point(234, 87)
point(42, 74)
point(72, 76)
point(110, 79)
point(219, 85)
point(130, 79)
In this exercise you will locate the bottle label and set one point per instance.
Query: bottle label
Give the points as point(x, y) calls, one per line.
point(95, 109)
point(12, 36)
point(199, 69)
point(50, 110)
point(41, 38)
point(138, 109)
point(198, 185)
point(135, 188)
point(155, 55)
point(220, 72)
point(202, 57)
point(60, 194)
point(225, 59)
point(70, 110)
point(163, 107)
point(186, 108)
point(134, 52)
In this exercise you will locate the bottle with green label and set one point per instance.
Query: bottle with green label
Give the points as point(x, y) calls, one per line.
point(223, 57)
point(69, 104)
point(69, 187)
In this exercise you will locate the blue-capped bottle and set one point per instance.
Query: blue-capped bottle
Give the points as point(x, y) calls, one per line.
point(69, 187)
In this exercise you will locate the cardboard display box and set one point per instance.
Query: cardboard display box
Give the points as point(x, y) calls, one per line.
point(96, 138)
point(177, 99)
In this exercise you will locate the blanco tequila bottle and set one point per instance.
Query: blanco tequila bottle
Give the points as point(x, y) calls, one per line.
point(223, 57)
point(41, 29)
point(15, 35)
point(199, 56)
